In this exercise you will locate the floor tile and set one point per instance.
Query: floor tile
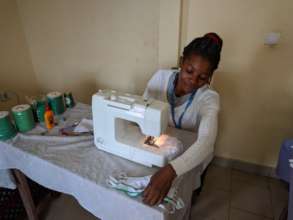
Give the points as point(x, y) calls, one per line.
point(236, 214)
point(251, 198)
point(218, 178)
point(251, 179)
point(67, 208)
point(212, 205)
point(279, 208)
point(279, 190)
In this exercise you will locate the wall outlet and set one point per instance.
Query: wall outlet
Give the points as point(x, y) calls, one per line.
point(4, 97)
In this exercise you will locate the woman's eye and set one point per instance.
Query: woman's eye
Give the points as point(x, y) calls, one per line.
point(189, 71)
point(203, 77)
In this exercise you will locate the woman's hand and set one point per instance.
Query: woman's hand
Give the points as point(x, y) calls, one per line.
point(159, 185)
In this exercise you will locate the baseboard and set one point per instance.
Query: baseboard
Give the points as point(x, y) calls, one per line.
point(245, 166)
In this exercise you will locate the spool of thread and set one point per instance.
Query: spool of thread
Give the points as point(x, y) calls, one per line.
point(41, 108)
point(38, 105)
point(56, 102)
point(7, 129)
point(69, 101)
point(23, 117)
point(33, 105)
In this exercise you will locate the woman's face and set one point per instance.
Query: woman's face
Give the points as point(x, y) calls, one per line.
point(195, 72)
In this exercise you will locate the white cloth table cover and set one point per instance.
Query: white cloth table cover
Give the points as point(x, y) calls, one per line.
point(6, 179)
point(73, 165)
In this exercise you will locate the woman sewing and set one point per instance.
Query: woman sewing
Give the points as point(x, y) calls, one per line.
point(193, 106)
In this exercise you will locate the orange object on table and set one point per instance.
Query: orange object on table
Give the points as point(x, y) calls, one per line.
point(49, 118)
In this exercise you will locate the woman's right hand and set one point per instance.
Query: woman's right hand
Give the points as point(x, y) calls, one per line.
point(159, 185)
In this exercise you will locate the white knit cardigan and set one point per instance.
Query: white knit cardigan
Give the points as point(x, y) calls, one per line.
point(201, 117)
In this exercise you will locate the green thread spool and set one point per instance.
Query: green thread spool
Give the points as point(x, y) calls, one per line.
point(23, 117)
point(69, 101)
point(41, 108)
point(7, 130)
point(38, 104)
point(56, 102)
point(33, 105)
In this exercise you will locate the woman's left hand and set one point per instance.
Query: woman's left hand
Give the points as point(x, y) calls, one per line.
point(159, 185)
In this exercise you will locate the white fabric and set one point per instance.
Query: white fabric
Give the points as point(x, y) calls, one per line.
point(74, 165)
point(134, 186)
point(85, 125)
point(201, 117)
point(7, 180)
point(170, 146)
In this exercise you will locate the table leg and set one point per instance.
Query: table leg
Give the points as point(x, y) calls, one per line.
point(25, 195)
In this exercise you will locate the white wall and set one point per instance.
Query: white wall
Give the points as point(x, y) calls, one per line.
point(16, 70)
point(255, 81)
point(83, 46)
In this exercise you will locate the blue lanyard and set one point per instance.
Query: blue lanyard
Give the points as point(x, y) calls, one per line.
point(172, 103)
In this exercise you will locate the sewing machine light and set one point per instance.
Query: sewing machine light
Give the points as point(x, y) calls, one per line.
point(151, 141)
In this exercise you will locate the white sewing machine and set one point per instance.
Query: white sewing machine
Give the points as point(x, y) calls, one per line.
point(114, 115)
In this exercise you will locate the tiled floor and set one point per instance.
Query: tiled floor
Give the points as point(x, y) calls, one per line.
point(227, 195)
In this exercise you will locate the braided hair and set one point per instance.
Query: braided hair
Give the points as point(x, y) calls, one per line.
point(208, 46)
